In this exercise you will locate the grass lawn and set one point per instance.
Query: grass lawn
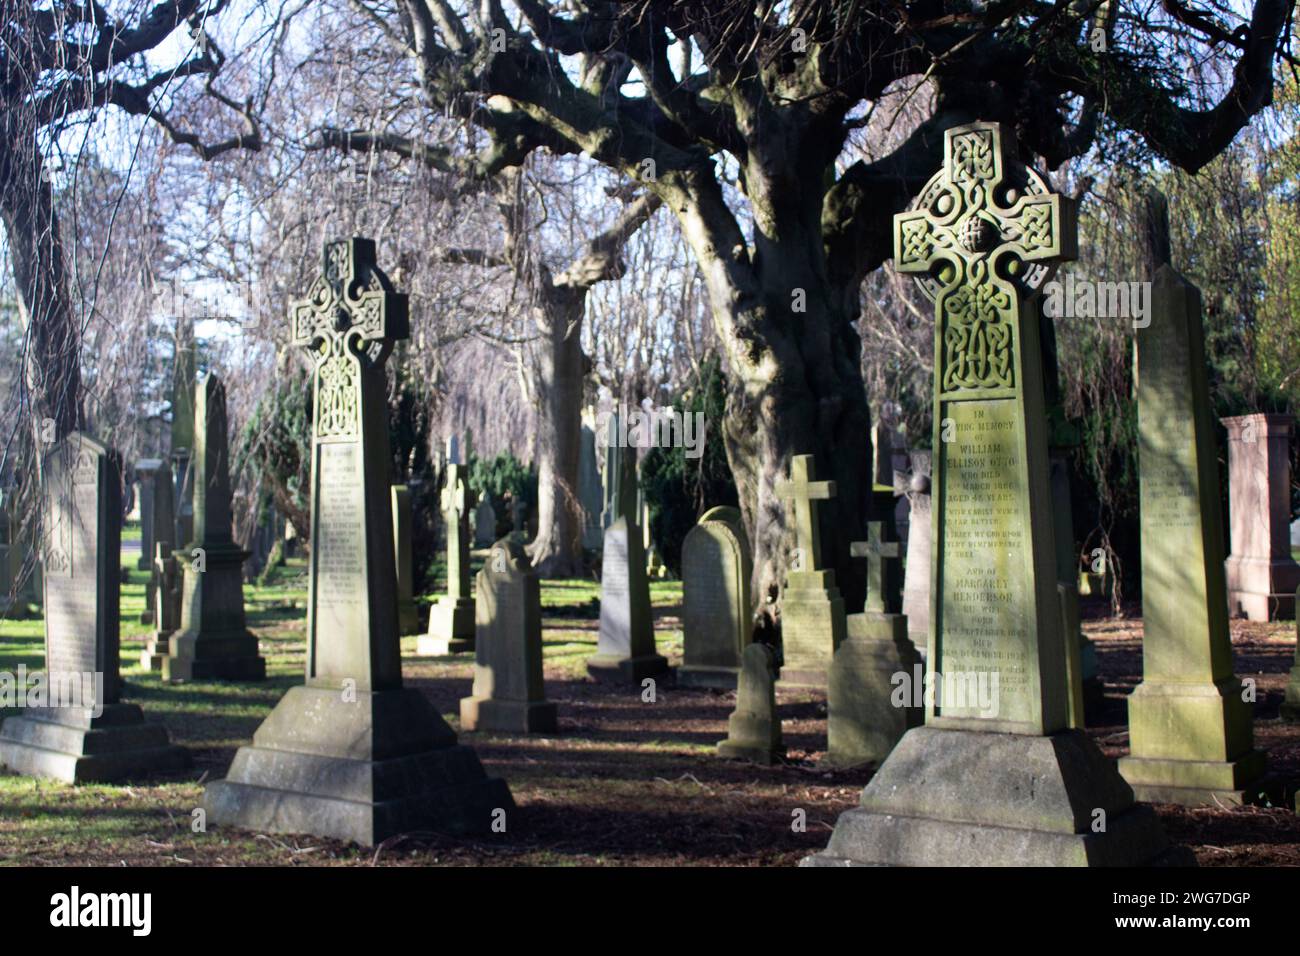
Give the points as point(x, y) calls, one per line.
point(623, 782)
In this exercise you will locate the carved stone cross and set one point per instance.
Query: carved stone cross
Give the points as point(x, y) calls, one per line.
point(803, 489)
point(882, 560)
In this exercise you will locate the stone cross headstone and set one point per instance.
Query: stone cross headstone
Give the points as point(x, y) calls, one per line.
point(485, 522)
point(145, 469)
point(625, 649)
point(352, 754)
point(1190, 733)
point(995, 777)
point(83, 731)
point(408, 618)
point(508, 693)
point(1262, 575)
point(754, 727)
point(812, 612)
point(213, 641)
point(451, 619)
point(866, 714)
point(716, 603)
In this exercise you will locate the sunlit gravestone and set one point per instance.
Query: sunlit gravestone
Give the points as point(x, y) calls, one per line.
point(716, 602)
point(451, 619)
point(996, 776)
point(82, 731)
point(352, 754)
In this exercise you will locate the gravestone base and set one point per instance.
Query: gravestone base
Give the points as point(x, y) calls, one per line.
point(362, 771)
point(606, 668)
point(1174, 727)
point(155, 653)
point(1260, 589)
point(451, 628)
point(863, 723)
point(812, 627)
point(518, 716)
point(74, 746)
point(701, 675)
point(230, 656)
point(971, 798)
point(742, 749)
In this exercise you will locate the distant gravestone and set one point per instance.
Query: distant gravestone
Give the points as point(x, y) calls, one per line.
point(451, 619)
point(84, 732)
point(716, 603)
point(509, 694)
point(995, 777)
point(812, 612)
point(182, 450)
point(625, 650)
point(1190, 733)
point(866, 713)
point(156, 494)
point(408, 619)
point(589, 490)
point(213, 642)
point(1262, 575)
point(165, 585)
point(485, 522)
point(352, 754)
point(145, 470)
point(754, 727)
point(916, 575)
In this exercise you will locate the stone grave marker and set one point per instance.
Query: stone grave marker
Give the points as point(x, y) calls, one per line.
point(1190, 732)
point(590, 493)
point(212, 642)
point(182, 446)
point(352, 754)
point(812, 613)
point(625, 650)
point(408, 619)
point(754, 727)
point(717, 607)
point(996, 776)
point(83, 731)
point(145, 470)
point(451, 619)
point(485, 522)
point(508, 693)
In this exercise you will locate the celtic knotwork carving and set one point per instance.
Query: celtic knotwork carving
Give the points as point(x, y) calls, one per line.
point(348, 323)
point(981, 233)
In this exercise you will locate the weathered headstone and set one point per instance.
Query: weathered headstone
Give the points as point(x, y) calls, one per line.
point(165, 585)
point(509, 694)
point(182, 446)
point(485, 522)
point(213, 642)
point(754, 727)
point(869, 707)
point(352, 754)
point(83, 731)
point(408, 619)
point(994, 777)
point(1190, 733)
point(812, 613)
point(145, 470)
point(625, 649)
point(157, 509)
point(716, 604)
point(451, 619)
point(589, 490)
point(1262, 575)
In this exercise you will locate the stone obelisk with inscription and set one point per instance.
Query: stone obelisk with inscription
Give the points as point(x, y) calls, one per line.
point(1190, 729)
point(83, 731)
point(996, 776)
point(352, 754)
point(213, 642)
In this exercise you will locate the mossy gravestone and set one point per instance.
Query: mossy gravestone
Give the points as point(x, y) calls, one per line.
point(995, 777)
point(1190, 734)
point(408, 620)
point(754, 727)
point(716, 612)
point(82, 731)
point(212, 642)
point(353, 754)
point(812, 611)
point(451, 619)
point(508, 691)
point(871, 701)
